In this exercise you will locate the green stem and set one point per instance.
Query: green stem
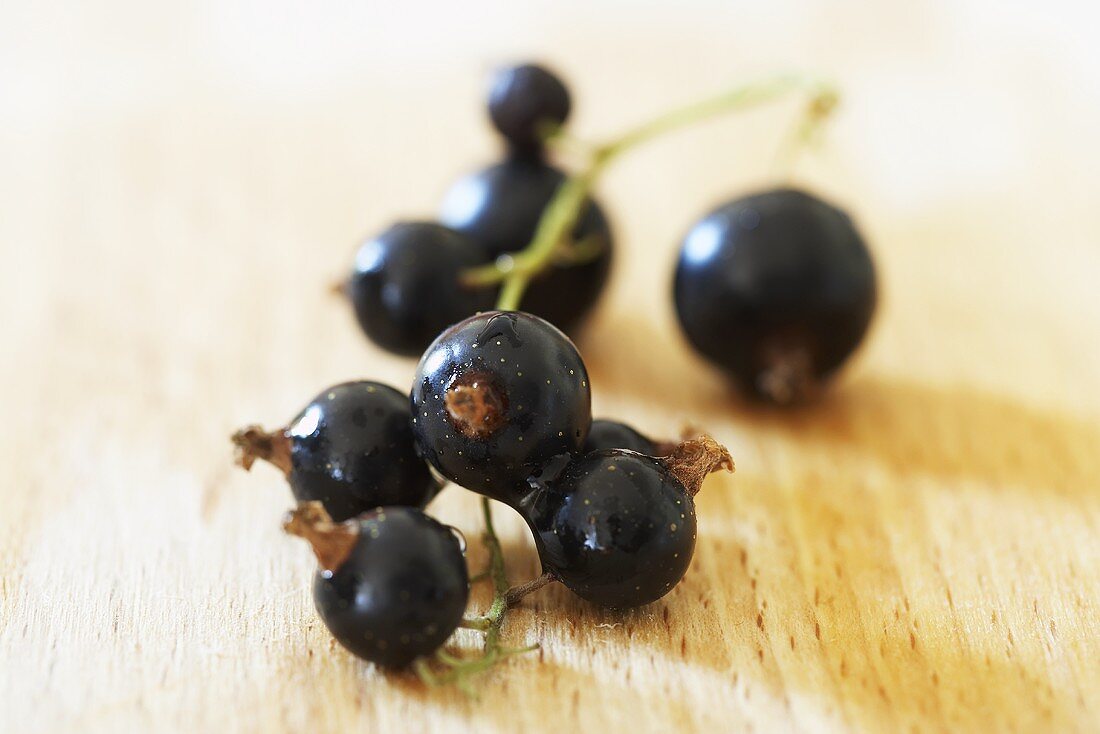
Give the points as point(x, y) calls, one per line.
point(739, 98)
point(803, 133)
point(560, 216)
point(474, 623)
point(558, 219)
point(458, 671)
point(499, 577)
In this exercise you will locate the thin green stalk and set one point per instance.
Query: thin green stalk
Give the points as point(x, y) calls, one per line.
point(739, 98)
point(458, 671)
point(557, 221)
point(803, 133)
point(559, 218)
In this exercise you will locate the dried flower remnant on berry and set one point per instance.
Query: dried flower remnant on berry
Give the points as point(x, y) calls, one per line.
point(253, 442)
point(788, 375)
point(476, 404)
point(691, 461)
point(351, 448)
point(332, 542)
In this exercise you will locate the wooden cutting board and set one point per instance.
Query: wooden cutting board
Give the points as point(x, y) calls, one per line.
point(180, 184)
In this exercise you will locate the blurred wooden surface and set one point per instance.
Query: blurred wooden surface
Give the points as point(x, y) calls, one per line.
point(180, 182)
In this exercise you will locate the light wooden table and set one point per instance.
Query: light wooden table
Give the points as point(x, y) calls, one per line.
point(180, 182)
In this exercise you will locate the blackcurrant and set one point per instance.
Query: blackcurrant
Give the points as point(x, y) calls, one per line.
point(405, 286)
point(525, 103)
point(392, 584)
point(496, 396)
point(351, 449)
point(500, 207)
point(618, 527)
point(778, 289)
point(607, 434)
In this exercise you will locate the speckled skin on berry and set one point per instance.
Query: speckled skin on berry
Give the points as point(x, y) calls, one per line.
point(496, 396)
point(614, 526)
point(401, 591)
point(352, 449)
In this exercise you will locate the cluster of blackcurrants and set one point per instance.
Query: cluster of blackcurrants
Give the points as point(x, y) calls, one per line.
point(500, 404)
point(776, 288)
point(407, 286)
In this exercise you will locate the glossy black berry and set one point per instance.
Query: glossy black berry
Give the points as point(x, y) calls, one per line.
point(607, 434)
point(525, 102)
point(614, 526)
point(405, 286)
point(499, 208)
point(392, 585)
point(778, 289)
point(351, 449)
point(495, 397)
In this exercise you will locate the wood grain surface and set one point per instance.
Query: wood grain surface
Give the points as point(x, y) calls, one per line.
point(180, 182)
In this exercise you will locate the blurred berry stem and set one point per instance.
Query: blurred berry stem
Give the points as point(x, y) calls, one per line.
point(805, 133)
point(458, 671)
point(559, 219)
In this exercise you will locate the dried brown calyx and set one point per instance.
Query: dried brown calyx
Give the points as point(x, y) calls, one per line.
point(476, 404)
point(339, 288)
point(331, 541)
point(788, 376)
point(253, 442)
point(692, 460)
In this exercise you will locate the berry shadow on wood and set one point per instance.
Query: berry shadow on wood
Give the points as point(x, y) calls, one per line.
point(904, 426)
